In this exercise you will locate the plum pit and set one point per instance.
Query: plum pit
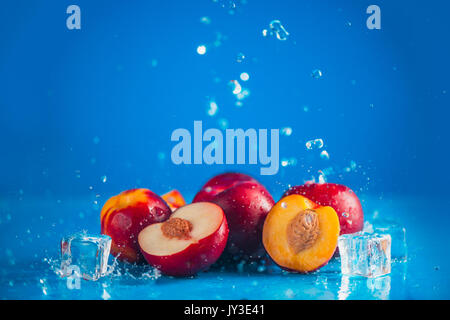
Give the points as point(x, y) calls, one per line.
point(177, 228)
point(303, 230)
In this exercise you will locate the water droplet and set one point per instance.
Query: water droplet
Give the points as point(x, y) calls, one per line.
point(287, 131)
point(324, 155)
point(104, 178)
point(345, 214)
point(314, 144)
point(236, 86)
point(105, 295)
point(316, 74)
point(223, 123)
point(322, 178)
point(205, 20)
point(289, 293)
point(212, 108)
point(161, 155)
point(244, 76)
point(284, 205)
point(240, 57)
point(261, 268)
point(201, 50)
point(288, 162)
point(277, 28)
point(227, 4)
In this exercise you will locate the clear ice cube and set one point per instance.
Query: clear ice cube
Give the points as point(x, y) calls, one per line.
point(365, 254)
point(86, 252)
point(399, 248)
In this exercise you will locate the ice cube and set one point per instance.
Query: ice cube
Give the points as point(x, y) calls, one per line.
point(398, 236)
point(87, 252)
point(365, 254)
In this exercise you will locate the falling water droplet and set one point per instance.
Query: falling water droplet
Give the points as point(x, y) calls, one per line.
point(287, 131)
point(201, 50)
point(324, 155)
point(244, 76)
point(236, 86)
point(316, 74)
point(240, 57)
point(277, 28)
point(212, 108)
point(223, 123)
point(314, 144)
point(205, 20)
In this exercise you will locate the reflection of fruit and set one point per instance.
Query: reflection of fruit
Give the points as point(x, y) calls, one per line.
point(300, 235)
point(341, 198)
point(245, 203)
point(190, 241)
point(125, 215)
point(174, 199)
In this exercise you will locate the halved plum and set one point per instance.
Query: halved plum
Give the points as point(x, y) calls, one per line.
point(191, 240)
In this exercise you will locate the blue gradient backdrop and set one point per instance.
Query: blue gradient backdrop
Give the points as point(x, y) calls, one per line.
point(76, 105)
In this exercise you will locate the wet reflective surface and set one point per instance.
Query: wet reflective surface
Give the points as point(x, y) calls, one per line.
point(25, 275)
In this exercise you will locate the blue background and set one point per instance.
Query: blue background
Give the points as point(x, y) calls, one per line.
point(77, 105)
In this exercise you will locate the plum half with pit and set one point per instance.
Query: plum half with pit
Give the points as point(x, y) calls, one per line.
point(190, 241)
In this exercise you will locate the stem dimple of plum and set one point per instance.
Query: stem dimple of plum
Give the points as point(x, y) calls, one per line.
point(177, 228)
point(303, 230)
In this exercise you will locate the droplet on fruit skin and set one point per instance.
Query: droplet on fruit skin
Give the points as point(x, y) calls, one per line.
point(284, 205)
point(345, 214)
